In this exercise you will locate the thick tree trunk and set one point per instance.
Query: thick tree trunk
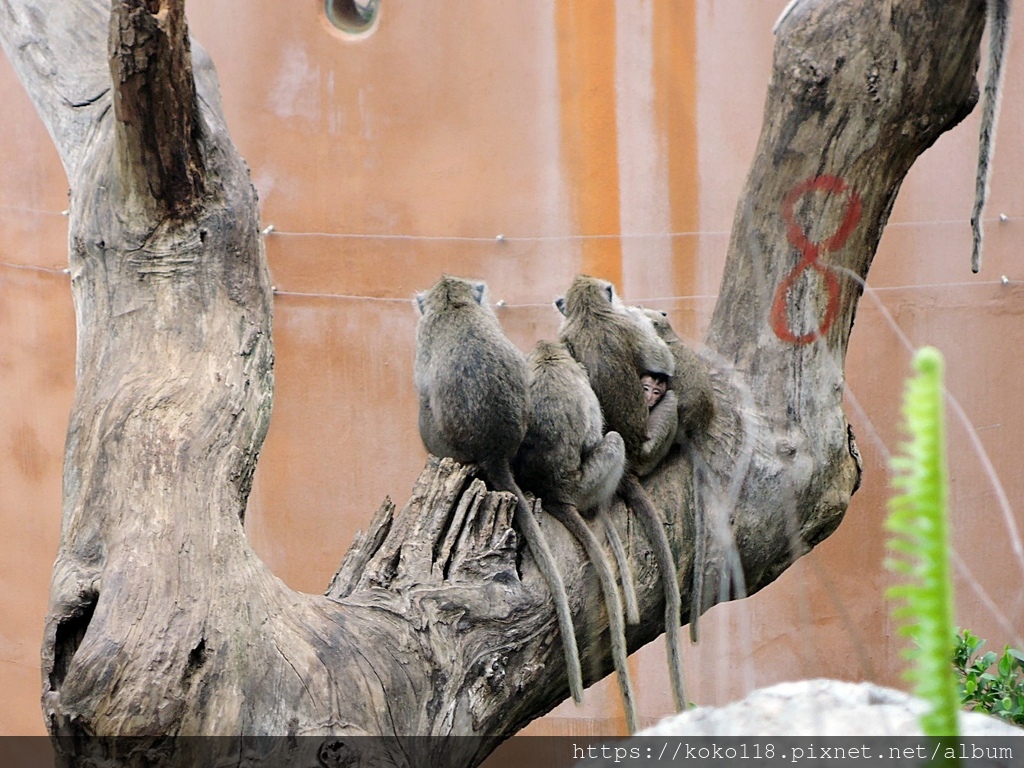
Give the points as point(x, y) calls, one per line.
point(163, 621)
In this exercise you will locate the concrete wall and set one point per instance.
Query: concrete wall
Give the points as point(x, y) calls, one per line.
point(386, 160)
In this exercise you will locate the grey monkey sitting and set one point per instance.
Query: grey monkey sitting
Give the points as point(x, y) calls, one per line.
point(567, 461)
point(472, 387)
point(616, 349)
point(565, 456)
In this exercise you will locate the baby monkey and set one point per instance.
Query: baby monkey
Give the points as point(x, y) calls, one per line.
point(690, 382)
point(655, 386)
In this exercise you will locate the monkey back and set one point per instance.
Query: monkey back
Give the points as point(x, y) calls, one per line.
point(471, 379)
point(608, 344)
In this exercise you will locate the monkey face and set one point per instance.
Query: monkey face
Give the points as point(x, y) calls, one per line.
point(654, 390)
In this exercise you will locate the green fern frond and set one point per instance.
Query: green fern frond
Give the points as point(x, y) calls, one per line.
point(918, 546)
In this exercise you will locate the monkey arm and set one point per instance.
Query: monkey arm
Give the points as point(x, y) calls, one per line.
point(661, 431)
point(693, 388)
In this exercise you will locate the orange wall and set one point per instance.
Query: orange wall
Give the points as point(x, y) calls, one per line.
point(386, 160)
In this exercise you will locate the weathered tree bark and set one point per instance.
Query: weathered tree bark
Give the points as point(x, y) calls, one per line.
point(164, 622)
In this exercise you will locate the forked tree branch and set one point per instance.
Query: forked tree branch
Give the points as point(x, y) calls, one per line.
point(162, 619)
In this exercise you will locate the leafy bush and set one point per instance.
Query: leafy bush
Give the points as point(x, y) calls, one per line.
point(999, 693)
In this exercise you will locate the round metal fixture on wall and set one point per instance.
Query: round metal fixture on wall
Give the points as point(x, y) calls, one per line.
point(354, 17)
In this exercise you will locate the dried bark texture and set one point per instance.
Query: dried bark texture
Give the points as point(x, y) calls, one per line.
point(155, 110)
point(163, 621)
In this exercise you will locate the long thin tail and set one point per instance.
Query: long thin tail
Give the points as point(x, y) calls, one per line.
point(622, 564)
point(998, 12)
point(501, 479)
point(636, 497)
point(700, 553)
point(570, 517)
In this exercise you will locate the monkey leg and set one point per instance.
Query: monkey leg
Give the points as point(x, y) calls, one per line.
point(570, 517)
point(636, 497)
point(600, 472)
point(430, 433)
point(661, 432)
point(622, 563)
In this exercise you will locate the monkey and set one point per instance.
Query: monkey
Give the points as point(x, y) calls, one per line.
point(564, 459)
point(692, 385)
point(473, 407)
point(654, 388)
point(566, 456)
point(997, 13)
point(691, 381)
point(568, 461)
point(662, 418)
point(616, 349)
point(647, 432)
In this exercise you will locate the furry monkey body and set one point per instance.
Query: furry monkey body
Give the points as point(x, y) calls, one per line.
point(472, 387)
point(566, 457)
point(691, 382)
point(569, 462)
point(608, 340)
point(617, 349)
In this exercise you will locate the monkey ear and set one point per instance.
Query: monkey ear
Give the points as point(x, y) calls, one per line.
point(478, 292)
point(560, 304)
point(421, 300)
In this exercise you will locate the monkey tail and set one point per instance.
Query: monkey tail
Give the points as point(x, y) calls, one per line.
point(700, 553)
point(636, 497)
point(622, 563)
point(501, 479)
point(998, 13)
point(570, 517)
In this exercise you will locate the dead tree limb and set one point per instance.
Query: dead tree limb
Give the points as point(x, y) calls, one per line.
point(164, 622)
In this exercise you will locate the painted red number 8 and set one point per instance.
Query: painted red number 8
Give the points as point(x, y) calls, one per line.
point(810, 252)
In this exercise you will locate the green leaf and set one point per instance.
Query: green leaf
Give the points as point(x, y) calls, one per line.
point(918, 548)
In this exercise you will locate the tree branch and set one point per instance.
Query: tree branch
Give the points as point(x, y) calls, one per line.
point(57, 51)
point(158, 125)
point(162, 619)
